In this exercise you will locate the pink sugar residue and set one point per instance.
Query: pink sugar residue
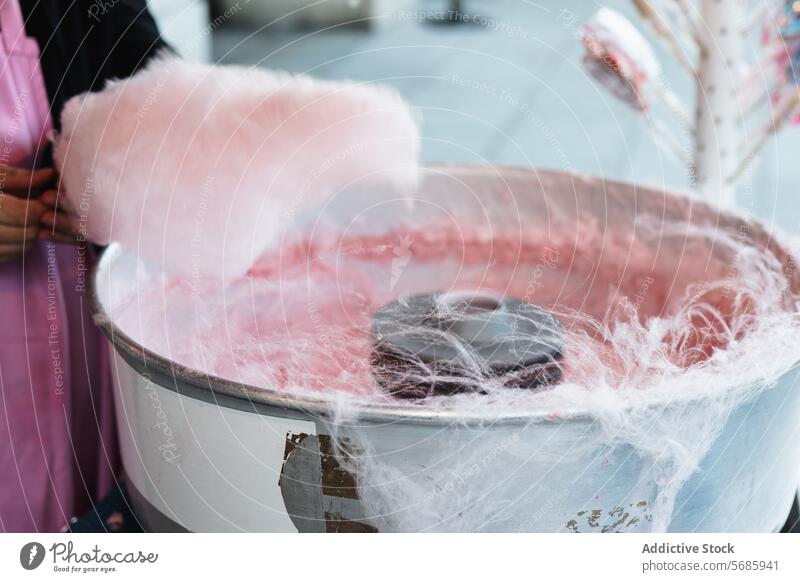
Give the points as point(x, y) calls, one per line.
point(300, 320)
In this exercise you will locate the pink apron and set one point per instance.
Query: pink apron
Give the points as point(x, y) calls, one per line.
point(57, 443)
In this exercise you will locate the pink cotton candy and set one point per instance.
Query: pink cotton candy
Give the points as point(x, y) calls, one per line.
point(199, 168)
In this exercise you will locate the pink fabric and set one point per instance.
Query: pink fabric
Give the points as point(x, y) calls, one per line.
point(57, 445)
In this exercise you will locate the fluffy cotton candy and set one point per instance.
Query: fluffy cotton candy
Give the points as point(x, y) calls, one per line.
point(200, 168)
point(619, 57)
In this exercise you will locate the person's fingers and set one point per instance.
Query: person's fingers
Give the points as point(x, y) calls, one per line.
point(58, 237)
point(50, 198)
point(11, 251)
point(58, 226)
point(19, 211)
point(19, 181)
point(17, 234)
point(56, 200)
point(21, 178)
point(59, 222)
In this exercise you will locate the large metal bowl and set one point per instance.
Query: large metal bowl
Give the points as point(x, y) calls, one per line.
point(206, 454)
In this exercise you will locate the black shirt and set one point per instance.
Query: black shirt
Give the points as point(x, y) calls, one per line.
point(83, 43)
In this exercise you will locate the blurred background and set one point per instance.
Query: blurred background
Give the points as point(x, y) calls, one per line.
point(494, 81)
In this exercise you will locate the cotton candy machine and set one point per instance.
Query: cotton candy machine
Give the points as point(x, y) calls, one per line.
point(711, 444)
point(433, 343)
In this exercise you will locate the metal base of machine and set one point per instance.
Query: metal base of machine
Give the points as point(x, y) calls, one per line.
point(793, 522)
point(151, 519)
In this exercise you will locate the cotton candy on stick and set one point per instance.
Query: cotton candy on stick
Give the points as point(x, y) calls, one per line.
point(200, 168)
point(782, 35)
point(780, 44)
point(621, 59)
point(788, 19)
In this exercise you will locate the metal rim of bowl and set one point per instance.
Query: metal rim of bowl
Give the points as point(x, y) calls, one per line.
point(266, 400)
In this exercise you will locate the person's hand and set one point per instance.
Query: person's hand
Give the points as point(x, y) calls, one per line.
point(20, 211)
point(57, 223)
point(24, 183)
